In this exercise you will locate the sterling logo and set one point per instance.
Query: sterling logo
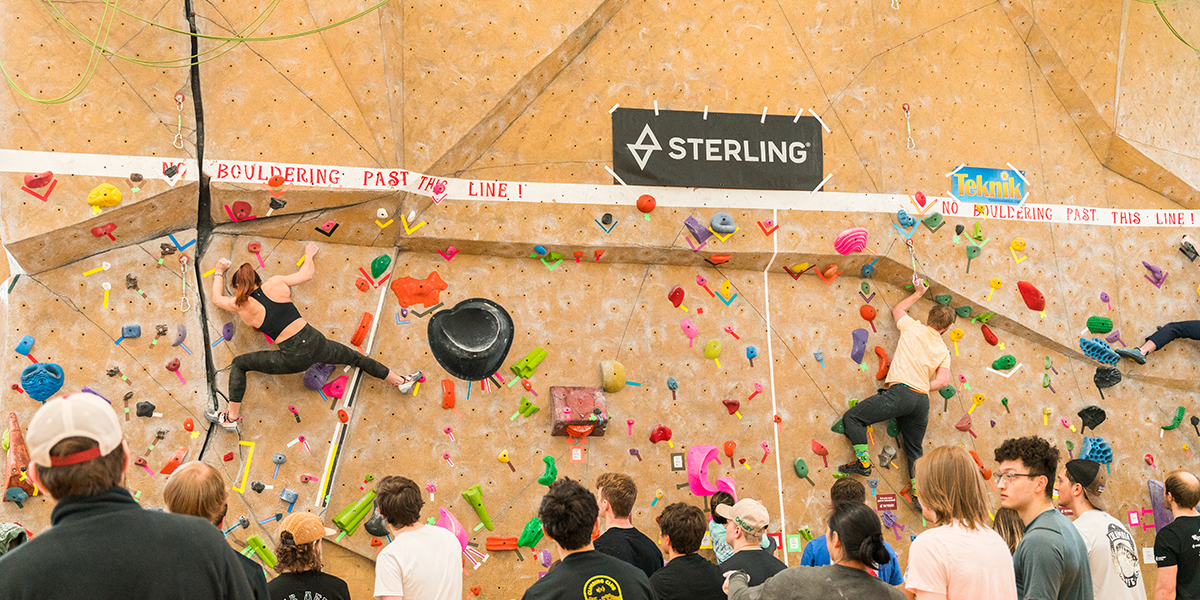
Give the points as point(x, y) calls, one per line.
point(716, 150)
point(642, 145)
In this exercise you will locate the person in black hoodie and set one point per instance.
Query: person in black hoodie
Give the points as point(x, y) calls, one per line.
point(198, 489)
point(102, 545)
point(687, 575)
point(616, 496)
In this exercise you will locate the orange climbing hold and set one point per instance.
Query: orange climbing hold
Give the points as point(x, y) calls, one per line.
point(18, 459)
point(885, 363)
point(411, 291)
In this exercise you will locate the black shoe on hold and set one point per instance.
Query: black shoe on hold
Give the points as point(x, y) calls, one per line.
point(855, 467)
point(1134, 354)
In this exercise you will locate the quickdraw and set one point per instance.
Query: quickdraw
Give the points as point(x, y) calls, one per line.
point(184, 304)
point(179, 123)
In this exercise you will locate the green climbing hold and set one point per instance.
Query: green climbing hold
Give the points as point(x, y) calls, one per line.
point(838, 427)
point(553, 257)
point(1175, 421)
point(1004, 363)
point(852, 402)
point(379, 265)
point(866, 288)
point(532, 534)
point(547, 478)
point(1047, 363)
point(1045, 380)
point(973, 251)
point(893, 428)
point(978, 233)
point(1099, 324)
point(963, 311)
point(943, 299)
point(983, 317)
point(934, 220)
point(947, 392)
point(801, 468)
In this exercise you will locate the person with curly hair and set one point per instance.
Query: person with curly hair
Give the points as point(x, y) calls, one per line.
point(1051, 562)
point(299, 554)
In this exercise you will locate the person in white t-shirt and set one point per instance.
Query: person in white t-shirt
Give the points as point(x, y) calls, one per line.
point(1112, 553)
point(960, 557)
point(422, 562)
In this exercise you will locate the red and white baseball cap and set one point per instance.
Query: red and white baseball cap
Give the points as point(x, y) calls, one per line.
point(75, 415)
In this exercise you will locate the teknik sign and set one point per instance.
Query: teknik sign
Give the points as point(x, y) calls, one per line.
point(988, 186)
point(724, 150)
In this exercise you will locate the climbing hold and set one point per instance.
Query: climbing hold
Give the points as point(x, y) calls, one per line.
point(104, 194)
point(317, 375)
point(1107, 377)
point(867, 270)
point(551, 472)
point(732, 405)
point(947, 392)
point(676, 296)
point(335, 388)
point(411, 291)
point(42, 380)
point(943, 299)
point(1034, 299)
point(1004, 363)
point(690, 330)
point(988, 335)
point(646, 203)
point(1099, 324)
point(532, 534)
point(1018, 244)
point(839, 426)
point(145, 409)
point(712, 349)
point(859, 337)
point(474, 497)
point(963, 311)
point(379, 265)
point(978, 232)
point(660, 433)
point(958, 229)
point(893, 428)
point(612, 374)
point(607, 219)
point(973, 251)
point(934, 220)
point(1099, 351)
point(1096, 449)
point(964, 425)
point(1176, 420)
point(722, 223)
point(1092, 416)
point(801, 468)
point(885, 363)
point(241, 210)
point(39, 180)
point(850, 240)
point(905, 219)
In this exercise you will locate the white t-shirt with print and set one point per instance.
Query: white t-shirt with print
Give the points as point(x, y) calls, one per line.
point(1113, 557)
point(424, 564)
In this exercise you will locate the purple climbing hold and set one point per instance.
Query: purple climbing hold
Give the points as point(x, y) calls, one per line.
point(317, 375)
point(860, 345)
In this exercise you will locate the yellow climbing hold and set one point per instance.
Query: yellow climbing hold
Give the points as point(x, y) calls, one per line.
point(105, 194)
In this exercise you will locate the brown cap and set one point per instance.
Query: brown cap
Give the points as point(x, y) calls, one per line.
point(749, 514)
point(1088, 474)
point(305, 528)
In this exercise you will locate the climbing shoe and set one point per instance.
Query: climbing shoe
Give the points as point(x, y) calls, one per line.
point(222, 419)
point(407, 383)
point(855, 467)
point(1134, 354)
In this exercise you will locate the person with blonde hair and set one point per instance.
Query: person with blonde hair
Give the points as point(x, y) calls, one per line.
point(1008, 524)
point(197, 489)
point(960, 557)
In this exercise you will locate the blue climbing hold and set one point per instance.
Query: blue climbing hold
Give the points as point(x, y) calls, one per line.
point(906, 220)
point(42, 380)
point(540, 250)
point(868, 270)
point(1099, 351)
point(1096, 449)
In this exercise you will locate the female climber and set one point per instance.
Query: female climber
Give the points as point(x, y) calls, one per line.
point(267, 306)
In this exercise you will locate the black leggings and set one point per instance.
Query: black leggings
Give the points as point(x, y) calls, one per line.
point(1173, 331)
point(295, 355)
point(909, 407)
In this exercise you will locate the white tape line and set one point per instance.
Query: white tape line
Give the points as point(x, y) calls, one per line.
point(1018, 172)
point(764, 116)
point(821, 121)
point(771, 369)
point(611, 172)
point(614, 108)
point(956, 169)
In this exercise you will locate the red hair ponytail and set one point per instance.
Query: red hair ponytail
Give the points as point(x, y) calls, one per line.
point(241, 283)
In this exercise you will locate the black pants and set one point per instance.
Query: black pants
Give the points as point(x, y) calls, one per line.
point(295, 355)
point(1173, 331)
point(910, 409)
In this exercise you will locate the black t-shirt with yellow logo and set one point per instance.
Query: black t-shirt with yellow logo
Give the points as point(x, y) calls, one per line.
point(592, 575)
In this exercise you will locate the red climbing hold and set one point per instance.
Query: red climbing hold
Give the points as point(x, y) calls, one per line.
point(1033, 298)
point(885, 363)
point(988, 335)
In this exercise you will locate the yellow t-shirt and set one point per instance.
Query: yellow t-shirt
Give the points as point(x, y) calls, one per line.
point(920, 353)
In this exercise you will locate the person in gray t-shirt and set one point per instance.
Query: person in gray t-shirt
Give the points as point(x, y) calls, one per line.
point(1051, 562)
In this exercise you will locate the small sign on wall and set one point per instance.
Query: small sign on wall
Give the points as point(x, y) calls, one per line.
point(885, 502)
point(795, 543)
point(677, 463)
point(576, 454)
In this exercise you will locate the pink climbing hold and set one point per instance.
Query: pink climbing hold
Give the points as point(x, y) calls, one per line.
point(698, 458)
point(850, 240)
point(335, 388)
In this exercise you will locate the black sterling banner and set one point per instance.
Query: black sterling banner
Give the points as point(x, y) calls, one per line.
point(678, 148)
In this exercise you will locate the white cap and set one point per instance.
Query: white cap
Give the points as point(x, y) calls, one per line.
point(75, 415)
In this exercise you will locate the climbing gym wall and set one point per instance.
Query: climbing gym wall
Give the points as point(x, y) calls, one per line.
point(409, 139)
